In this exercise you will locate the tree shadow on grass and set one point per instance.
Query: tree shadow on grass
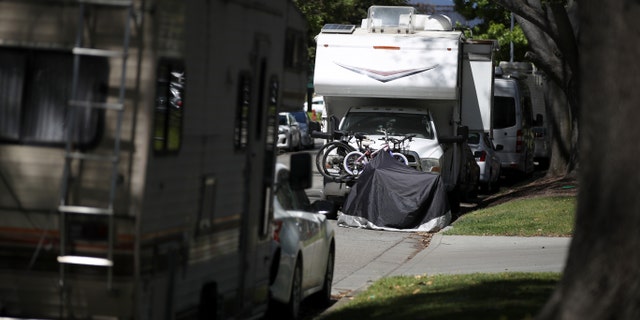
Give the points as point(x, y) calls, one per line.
point(495, 299)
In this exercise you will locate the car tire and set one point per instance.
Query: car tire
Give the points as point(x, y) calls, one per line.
point(323, 298)
point(299, 142)
point(292, 309)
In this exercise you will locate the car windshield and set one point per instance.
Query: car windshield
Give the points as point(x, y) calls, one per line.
point(395, 123)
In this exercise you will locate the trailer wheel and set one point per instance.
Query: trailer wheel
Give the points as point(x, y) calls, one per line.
point(208, 307)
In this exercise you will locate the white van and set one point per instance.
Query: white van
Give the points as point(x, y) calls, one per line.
point(512, 124)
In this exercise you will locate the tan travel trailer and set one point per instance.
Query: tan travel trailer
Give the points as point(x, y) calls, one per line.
point(137, 151)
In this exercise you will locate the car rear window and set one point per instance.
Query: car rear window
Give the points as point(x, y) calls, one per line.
point(282, 120)
point(474, 138)
point(504, 115)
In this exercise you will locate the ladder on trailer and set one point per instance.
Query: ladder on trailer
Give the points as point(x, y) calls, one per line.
point(105, 210)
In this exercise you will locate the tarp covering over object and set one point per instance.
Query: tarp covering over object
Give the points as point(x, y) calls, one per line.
point(392, 196)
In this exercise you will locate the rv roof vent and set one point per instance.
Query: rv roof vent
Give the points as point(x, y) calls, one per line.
point(389, 19)
point(338, 28)
point(433, 22)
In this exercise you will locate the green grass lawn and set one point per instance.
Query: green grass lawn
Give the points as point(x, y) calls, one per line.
point(469, 296)
point(473, 296)
point(542, 216)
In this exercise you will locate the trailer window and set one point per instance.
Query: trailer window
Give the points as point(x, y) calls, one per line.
point(35, 88)
point(241, 129)
point(295, 50)
point(170, 104)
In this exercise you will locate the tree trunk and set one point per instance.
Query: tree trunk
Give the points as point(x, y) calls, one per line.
point(559, 129)
point(601, 279)
point(549, 29)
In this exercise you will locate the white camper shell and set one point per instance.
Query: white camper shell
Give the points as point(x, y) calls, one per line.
point(137, 155)
point(398, 61)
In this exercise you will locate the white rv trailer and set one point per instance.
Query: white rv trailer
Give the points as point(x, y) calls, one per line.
point(398, 61)
point(137, 152)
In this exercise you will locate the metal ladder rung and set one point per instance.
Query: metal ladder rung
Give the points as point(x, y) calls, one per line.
point(85, 11)
point(94, 157)
point(86, 261)
point(115, 3)
point(86, 210)
point(98, 52)
point(98, 105)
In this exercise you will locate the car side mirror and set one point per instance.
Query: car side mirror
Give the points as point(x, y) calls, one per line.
point(499, 147)
point(477, 154)
point(300, 176)
point(324, 207)
point(464, 132)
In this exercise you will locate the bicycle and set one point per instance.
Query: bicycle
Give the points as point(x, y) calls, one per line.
point(330, 156)
point(355, 161)
point(399, 145)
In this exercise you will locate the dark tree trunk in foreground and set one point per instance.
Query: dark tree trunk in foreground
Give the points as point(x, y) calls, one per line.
point(602, 276)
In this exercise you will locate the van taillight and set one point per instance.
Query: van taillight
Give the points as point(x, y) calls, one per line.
point(519, 142)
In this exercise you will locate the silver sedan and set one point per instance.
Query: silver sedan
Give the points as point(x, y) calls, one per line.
point(288, 132)
point(303, 248)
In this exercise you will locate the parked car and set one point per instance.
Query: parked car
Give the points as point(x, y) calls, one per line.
point(306, 141)
point(288, 132)
point(303, 248)
point(487, 158)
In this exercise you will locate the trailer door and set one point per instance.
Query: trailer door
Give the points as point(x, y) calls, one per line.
point(255, 237)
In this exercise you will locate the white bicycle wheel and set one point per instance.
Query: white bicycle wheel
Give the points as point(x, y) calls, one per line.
point(354, 163)
point(400, 157)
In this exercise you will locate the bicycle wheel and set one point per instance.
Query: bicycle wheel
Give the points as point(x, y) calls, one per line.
point(330, 157)
point(354, 163)
point(400, 157)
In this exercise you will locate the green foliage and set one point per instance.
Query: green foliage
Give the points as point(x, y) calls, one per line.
point(495, 21)
point(495, 24)
point(320, 12)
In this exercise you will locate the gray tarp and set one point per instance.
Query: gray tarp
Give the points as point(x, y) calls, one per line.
point(392, 196)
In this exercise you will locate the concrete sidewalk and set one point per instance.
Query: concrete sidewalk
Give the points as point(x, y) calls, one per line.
point(470, 254)
point(457, 255)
